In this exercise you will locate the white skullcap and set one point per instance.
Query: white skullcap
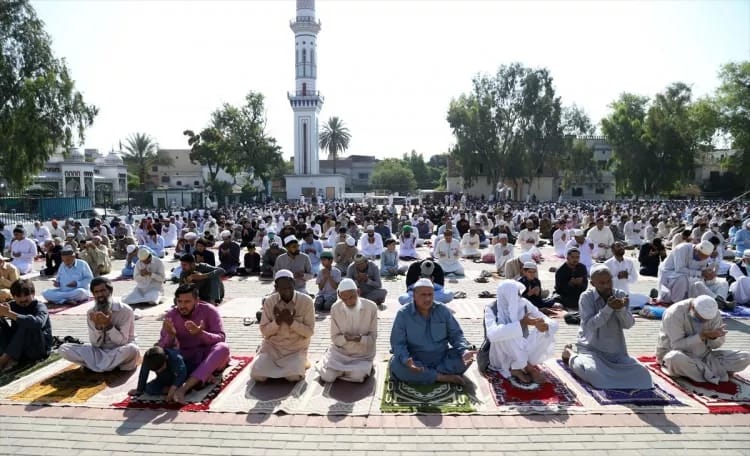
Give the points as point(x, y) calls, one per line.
point(525, 257)
point(144, 253)
point(600, 267)
point(370, 228)
point(529, 265)
point(290, 238)
point(262, 226)
point(423, 283)
point(130, 248)
point(706, 248)
point(281, 273)
point(226, 234)
point(502, 236)
point(346, 285)
point(746, 253)
point(190, 236)
point(705, 306)
point(577, 233)
point(350, 241)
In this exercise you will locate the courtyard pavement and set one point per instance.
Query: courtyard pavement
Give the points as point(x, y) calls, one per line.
point(70, 430)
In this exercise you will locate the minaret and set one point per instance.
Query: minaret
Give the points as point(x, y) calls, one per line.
point(306, 100)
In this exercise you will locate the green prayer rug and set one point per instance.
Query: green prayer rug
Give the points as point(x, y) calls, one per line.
point(22, 371)
point(402, 397)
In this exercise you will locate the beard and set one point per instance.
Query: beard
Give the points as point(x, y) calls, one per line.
point(103, 305)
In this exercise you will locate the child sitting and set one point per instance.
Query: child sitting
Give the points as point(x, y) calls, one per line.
point(251, 262)
point(171, 373)
point(328, 282)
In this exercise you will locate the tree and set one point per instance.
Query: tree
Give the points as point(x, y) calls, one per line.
point(335, 138)
point(40, 110)
point(236, 141)
point(392, 174)
point(733, 106)
point(415, 162)
point(625, 129)
point(576, 159)
point(141, 154)
point(507, 127)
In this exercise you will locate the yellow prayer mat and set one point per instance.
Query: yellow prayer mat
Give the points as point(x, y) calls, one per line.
point(72, 385)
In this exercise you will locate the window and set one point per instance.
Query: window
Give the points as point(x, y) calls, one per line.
point(364, 176)
point(178, 183)
point(197, 183)
point(577, 191)
point(164, 179)
point(599, 190)
point(155, 169)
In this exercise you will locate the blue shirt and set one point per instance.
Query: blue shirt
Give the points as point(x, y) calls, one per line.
point(313, 250)
point(425, 339)
point(79, 272)
point(741, 241)
point(174, 375)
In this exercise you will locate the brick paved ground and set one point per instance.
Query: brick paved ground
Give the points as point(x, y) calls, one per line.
point(26, 429)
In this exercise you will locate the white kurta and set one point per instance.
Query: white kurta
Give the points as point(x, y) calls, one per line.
point(349, 360)
point(633, 232)
point(148, 288)
point(27, 250)
point(169, 234)
point(740, 288)
point(586, 249)
point(603, 240)
point(503, 254)
point(110, 349)
point(447, 255)
point(371, 249)
point(470, 245)
point(615, 267)
point(510, 348)
point(560, 239)
point(527, 239)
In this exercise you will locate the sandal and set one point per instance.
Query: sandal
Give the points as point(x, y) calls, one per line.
point(459, 295)
point(487, 295)
point(481, 280)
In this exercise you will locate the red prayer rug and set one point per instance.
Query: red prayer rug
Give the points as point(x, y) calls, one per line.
point(199, 400)
point(726, 397)
point(553, 394)
point(53, 309)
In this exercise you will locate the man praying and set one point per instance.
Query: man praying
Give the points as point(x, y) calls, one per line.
point(25, 328)
point(354, 329)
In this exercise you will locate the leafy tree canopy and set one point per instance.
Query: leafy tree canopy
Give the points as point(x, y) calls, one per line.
point(393, 175)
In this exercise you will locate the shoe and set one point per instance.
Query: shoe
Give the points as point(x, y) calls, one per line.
point(653, 294)
point(727, 306)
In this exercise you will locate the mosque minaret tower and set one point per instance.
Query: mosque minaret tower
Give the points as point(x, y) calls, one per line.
point(306, 103)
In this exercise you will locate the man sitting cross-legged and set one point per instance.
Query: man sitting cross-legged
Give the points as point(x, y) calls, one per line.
point(72, 282)
point(287, 324)
point(520, 336)
point(354, 328)
point(25, 329)
point(691, 333)
point(149, 279)
point(195, 328)
point(427, 342)
point(111, 327)
point(602, 359)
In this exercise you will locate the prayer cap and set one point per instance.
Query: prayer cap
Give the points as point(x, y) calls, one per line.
point(131, 248)
point(524, 257)
point(190, 236)
point(599, 268)
point(370, 228)
point(226, 234)
point(423, 283)
point(326, 254)
point(706, 248)
point(572, 249)
point(427, 268)
point(144, 253)
point(705, 306)
point(289, 239)
point(502, 236)
point(350, 241)
point(746, 253)
point(359, 258)
point(346, 285)
point(67, 250)
point(407, 228)
point(529, 265)
point(577, 233)
point(281, 273)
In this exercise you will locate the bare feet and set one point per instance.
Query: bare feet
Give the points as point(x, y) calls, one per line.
point(536, 375)
point(455, 379)
point(521, 375)
point(567, 353)
point(179, 396)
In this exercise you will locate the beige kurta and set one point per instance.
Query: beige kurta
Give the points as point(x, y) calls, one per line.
point(8, 275)
point(352, 361)
point(283, 352)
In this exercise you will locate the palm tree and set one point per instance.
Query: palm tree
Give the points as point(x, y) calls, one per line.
point(141, 154)
point(335, 137)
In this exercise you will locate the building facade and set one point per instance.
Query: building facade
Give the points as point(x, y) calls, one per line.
point(356, 169)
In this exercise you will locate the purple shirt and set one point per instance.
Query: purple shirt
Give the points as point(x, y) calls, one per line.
point(195, 349)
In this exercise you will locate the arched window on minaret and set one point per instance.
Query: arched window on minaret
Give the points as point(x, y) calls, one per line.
point(312, 63)
point(304, 62)
point(297, 64)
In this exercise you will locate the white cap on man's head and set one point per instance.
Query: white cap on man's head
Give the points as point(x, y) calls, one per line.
point(423, 282)
point(131, 248)
point(290, 238)
point(706, 248)
point(370, 228)
point(346, 285)
point(281, 273)
point(144, 253)
point(529, 265)
point(705, 306)
point(350, 241)
point(746, 253)
point(190, 236)
point(226, 234)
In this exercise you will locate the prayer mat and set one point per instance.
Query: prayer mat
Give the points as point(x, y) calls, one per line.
point(726, 397)
point(739, 313)
point(25, 369)
point(197, 400)
point(655, 396)
point(402, 397)
point(553, 395)
point(53, 309)
point(72, 385)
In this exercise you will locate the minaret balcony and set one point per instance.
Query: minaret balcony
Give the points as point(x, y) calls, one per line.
point(305, 24)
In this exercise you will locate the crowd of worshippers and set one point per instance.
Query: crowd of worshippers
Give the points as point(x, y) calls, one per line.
point(348, 248)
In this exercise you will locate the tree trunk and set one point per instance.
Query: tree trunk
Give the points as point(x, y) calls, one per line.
point(334, 162)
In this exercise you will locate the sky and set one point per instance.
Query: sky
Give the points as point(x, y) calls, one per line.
point(388, 69)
